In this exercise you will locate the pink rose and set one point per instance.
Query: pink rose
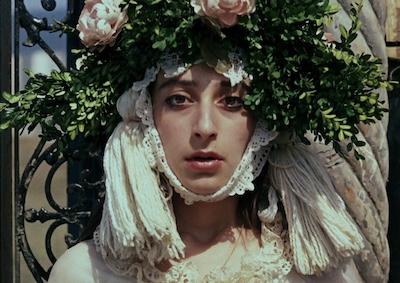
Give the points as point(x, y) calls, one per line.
point(100, 22)
point(225, 12)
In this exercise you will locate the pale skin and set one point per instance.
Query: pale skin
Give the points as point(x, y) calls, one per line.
point(198, 111)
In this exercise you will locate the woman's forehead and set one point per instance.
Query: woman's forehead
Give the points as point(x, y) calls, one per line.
point(199, 74)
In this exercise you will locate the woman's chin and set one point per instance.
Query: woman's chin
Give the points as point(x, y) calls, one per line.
point(204, 187)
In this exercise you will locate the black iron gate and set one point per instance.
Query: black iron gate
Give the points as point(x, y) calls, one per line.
point(84, 168)
point(84, 187)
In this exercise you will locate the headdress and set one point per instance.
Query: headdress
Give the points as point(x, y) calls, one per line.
point(299, 83)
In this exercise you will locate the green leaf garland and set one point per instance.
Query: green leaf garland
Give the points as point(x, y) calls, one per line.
point(300, 82)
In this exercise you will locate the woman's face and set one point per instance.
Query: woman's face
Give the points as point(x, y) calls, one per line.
point(203, 127)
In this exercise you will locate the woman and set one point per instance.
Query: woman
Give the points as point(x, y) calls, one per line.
point(204, 130)
point(200, 187)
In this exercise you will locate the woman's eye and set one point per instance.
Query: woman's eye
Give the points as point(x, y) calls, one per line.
point(233, 102)
point(176, 100)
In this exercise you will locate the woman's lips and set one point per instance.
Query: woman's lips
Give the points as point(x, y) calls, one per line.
point(204, 162)
point(208, 166)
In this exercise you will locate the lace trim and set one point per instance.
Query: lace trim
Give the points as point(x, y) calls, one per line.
point(248, 169)
point(236, 73)
point(270, 264)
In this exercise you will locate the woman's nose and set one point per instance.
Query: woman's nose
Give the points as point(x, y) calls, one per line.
point(204, 124)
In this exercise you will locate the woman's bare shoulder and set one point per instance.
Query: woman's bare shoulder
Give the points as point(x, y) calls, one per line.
point(345, 273)
point(83, 264)
point(75, 265)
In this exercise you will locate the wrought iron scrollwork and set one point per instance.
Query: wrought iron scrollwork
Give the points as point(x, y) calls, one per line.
point(48, 5)
point(86, 191)
point(34, 26)
point(76, 214)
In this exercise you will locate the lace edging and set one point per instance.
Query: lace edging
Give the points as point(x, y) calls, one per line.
point(270, 264)
point(248, 169)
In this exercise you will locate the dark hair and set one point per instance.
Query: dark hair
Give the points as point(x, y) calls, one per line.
point(250, 202)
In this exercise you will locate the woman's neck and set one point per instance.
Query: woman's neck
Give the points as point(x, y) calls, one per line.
point(204, 222)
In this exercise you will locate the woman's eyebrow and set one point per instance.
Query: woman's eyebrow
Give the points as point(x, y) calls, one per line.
point(176, 82)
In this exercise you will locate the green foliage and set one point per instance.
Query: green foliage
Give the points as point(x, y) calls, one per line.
point(305, 84)
point(300, 83)
point(62, 105)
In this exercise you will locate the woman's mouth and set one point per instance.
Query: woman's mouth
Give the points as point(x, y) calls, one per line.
point(204, 162)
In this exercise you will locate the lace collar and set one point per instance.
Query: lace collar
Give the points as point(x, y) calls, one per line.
point(269, 264)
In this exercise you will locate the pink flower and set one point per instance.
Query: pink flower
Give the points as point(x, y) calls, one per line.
point(100, 22)
point(225, 12)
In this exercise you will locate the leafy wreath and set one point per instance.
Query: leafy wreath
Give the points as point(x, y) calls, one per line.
point(301, 82)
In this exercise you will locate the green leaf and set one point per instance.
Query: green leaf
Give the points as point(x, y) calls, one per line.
point(73, 134)
point(347, 133)
point(81, 127)
point(349, 146)
point(31, 96)
point(276, 75)
point(345, 127)
point(71, 128)
point(12, 99)
point(352, 37)
point(90, 116)
point(341, 136)
point(343, 31)
point(60, 93)
point(4, 126)
point(160, 45)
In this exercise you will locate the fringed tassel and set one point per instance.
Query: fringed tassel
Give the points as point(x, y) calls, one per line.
point(137, 221)
point(321, 231)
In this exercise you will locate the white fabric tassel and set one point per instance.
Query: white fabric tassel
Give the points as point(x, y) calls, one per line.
point(321, 231)
point(137, 220)
point(268, 215)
